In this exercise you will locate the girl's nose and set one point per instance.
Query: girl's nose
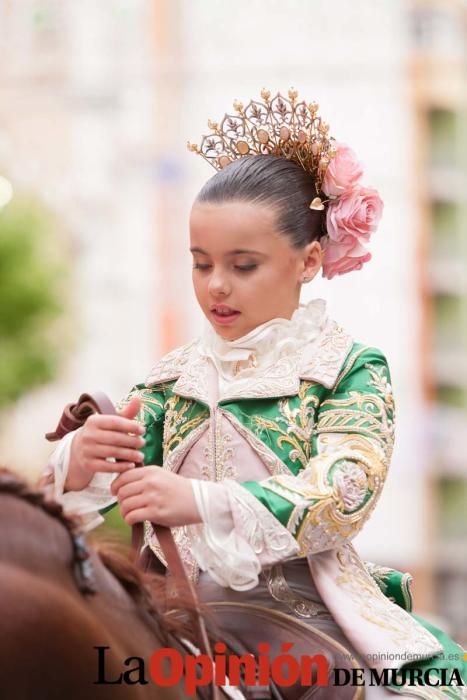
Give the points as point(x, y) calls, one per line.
point(218, 284)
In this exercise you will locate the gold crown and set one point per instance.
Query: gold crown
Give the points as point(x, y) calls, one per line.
point(278, 126)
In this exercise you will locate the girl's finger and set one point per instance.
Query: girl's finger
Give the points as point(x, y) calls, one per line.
point(112, 437)
point(101, 465)
point(117, 423)
point(132, 489)
point(132, 503)
point(138, 516)
point(133, 475)
point(105, 451)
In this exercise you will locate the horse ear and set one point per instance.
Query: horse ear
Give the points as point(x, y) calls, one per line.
point(132, 408)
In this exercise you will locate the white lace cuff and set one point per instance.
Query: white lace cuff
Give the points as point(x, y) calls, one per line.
point(238, 534)
point(55, 474)
point(85, 503)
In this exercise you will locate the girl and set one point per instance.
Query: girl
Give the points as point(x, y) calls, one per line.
point(265, 442)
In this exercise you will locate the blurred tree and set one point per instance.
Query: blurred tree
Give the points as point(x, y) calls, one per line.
point(32, 285)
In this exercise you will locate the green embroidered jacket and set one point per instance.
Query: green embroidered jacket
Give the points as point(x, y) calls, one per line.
point(323, 425)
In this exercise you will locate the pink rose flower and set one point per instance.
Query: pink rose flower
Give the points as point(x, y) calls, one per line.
point(342, 257)
point(356, 213)
point(343, 172)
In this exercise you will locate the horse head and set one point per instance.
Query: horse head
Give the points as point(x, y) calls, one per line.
point(62, 598)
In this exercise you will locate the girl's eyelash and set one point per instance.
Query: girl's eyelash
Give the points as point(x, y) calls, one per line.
point(242, 268)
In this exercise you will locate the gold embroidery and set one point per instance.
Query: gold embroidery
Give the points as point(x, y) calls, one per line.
point(379, 406)
point(349, 363)
point(149, 404)
point(379, 574)
point(298, 422)
point(268, 457)
point(338, 489)
point(218, 452)
point(329, 517)
point(174, 459)
point(251, 361)
point(206, 467)
point(176, 423)
point(335, 494)
point(374, 607)
point(369, 414)
point(361, 413)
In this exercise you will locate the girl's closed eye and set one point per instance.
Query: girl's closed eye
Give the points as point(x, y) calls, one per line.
point(240, 268)
point(246, 268)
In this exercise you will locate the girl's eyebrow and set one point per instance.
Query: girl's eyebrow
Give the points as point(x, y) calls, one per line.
point(237, 251)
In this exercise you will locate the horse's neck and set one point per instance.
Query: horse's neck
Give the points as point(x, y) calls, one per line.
point(34, 540)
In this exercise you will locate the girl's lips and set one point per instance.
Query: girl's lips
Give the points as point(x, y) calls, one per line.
point(223, 319)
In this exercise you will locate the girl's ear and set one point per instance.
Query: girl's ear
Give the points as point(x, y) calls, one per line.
point(312, 260)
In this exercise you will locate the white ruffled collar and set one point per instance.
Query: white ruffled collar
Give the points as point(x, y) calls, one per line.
point(236, 360)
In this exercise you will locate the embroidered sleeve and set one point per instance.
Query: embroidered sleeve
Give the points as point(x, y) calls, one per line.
point(328, 502)
point(237, 536)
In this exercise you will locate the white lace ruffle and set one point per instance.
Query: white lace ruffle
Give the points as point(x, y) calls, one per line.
point(238, 535)
point(267, 343)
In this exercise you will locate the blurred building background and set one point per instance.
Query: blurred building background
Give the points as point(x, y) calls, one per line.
point(97, 101)
point(438, 75)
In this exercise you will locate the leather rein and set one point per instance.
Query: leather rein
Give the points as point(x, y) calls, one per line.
point(74, 416)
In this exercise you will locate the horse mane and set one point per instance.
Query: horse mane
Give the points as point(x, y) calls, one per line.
point(146, 590)
point(11, 483)
point(115, 557)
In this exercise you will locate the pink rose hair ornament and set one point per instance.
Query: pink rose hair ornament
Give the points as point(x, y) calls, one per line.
point(352, 216)
point(293, 129)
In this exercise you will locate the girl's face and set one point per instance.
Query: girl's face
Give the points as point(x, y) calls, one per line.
point(244, 272)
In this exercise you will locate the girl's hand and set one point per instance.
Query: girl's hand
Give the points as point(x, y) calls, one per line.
point(151, 493)
point(101, 437)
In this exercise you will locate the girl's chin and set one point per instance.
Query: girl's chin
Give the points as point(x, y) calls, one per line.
point(231, 329)
point(229, 333)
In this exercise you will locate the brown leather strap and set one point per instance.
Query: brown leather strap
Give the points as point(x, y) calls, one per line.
point(75, 414)
point(73, 417)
